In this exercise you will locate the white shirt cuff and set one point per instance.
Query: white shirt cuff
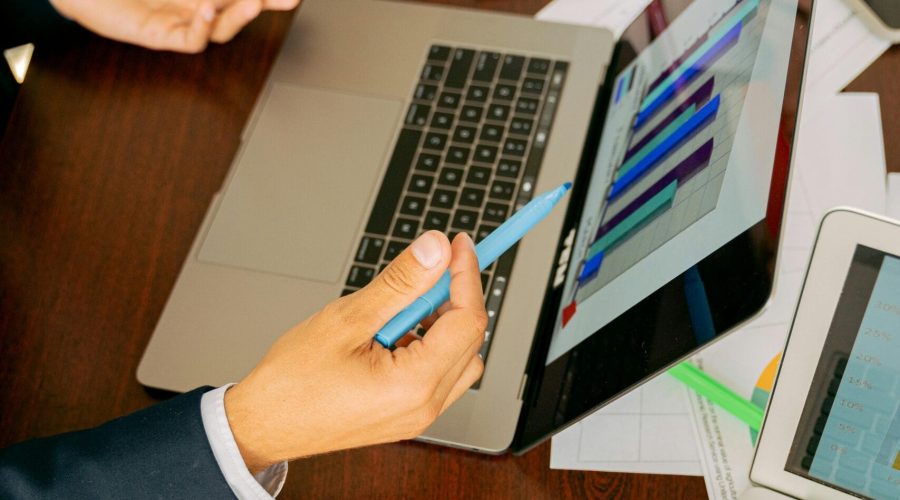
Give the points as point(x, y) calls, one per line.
point(264, 485)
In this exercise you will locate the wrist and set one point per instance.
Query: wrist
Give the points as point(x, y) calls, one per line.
point(248, 430)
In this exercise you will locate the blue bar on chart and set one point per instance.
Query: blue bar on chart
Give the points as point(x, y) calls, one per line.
point(725, 37)
point(625, 82)
point(647, 212)
point(697, 98)
point(591, 268)
point(626, 176)
point(682, 173)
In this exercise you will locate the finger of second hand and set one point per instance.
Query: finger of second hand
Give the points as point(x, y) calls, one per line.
point(233, 18)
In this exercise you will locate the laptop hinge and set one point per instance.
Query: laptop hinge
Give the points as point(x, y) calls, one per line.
point(522, 386)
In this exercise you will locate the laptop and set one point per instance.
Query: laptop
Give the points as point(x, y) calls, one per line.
point(832, 429)
point(381, 120)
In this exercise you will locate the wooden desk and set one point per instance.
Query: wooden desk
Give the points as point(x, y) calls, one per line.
point(109, 162)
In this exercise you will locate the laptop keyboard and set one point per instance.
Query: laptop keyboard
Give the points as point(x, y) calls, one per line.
point(467, 157)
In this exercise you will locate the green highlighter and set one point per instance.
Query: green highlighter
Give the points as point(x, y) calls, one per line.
point(712, 389)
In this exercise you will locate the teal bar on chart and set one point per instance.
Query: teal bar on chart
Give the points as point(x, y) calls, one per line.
point(656, 141)
point(748, 8)
point(635, 221)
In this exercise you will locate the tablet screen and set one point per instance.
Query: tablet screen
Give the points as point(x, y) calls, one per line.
point(670, 236)
point(678, 172)
point(849, 432)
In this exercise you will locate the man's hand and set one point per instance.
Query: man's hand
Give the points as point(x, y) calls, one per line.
point(326, 385)
point(176, 25)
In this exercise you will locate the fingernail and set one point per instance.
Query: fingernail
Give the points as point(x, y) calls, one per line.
point(427, 250)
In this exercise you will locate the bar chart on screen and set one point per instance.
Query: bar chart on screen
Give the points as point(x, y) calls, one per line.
point(673, 165)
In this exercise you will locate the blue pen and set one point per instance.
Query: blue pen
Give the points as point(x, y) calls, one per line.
point(488, 251)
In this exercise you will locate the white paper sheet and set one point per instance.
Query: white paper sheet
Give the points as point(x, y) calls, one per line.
point(840, 161)
point(893, 195)
point(649, 430)
point(615, 15)
point(841, 47)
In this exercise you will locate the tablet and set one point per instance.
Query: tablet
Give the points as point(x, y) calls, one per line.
point(833, 427)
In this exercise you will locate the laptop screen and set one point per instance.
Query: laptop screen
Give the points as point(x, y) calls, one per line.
point(849, 432)
point(676, 213)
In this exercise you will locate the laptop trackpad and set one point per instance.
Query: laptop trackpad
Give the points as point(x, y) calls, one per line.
point(303, 183)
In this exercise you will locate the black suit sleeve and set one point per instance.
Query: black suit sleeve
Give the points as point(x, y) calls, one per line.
point(158, 452)
point(28, 21)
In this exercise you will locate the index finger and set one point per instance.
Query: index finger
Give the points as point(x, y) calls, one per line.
point(449, 339)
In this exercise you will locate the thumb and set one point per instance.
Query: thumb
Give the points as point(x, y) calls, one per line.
point(411, 274)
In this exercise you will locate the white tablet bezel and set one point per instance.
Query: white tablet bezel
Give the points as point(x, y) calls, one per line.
point(841, 231)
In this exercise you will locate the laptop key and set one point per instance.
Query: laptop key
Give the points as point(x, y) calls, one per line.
point(412, 205)
point(527, 105)
point(495, 212)
point(347, 291)
point(533, 86)
point(459, 68)
point(465, 220)
point(472, 197)
point(369, 250)
point(479, 175)
point(432, 73)
point(538, 66)
point(499, 112)
point(443, 198)
point(360, 276)
point(477, 93)
point(393, 249)
point(502, 190)
point(421, 183)
point(471, 114)
point(483, 231)
point(492, 133)
point(442, 121)
point(450, 176)
point(439, 53)
point(521, 126)
point(435, 141)
point(486, 67)
point(486, 154)
point(464, 134)
point(512, 68)
point(392, 183)
point(458, 155)
point(436, 220)
point(504, 92)
point(449, 100)
point(425, 92)
point(428, 162)
point(418, 114)
point(406, 228)
point(515, 147)
point(485, 279)
point(509, 168)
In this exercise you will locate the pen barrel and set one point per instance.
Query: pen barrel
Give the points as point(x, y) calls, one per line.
point(411, 315)
point(510, 232)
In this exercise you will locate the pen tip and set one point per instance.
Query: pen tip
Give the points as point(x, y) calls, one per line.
point(567, 185)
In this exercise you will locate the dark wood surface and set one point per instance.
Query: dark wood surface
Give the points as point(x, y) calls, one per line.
point(108, 164)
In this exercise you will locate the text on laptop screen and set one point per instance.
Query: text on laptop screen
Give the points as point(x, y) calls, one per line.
point(685, 159)
point(849, 432)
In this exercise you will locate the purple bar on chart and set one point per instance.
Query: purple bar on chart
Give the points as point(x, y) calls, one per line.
point(682, 172)
point(591, 267)
point(699, 97)
point(676, 63)
point(702, 64)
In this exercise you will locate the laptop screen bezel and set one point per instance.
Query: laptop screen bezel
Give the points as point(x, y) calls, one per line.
point(548, 386)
